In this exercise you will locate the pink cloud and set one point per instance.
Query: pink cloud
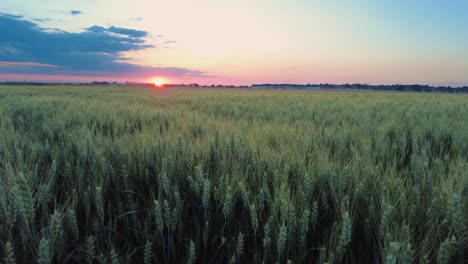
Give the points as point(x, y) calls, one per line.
point(25, 64)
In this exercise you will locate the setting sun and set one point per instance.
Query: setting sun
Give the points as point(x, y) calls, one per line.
point(158, 82)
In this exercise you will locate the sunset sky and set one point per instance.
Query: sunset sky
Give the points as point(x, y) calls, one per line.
point(236, 41)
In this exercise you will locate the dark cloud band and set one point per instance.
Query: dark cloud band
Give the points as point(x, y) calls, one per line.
point(96, 51)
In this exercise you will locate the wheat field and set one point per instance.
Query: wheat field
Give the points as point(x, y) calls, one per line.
point(139, 175)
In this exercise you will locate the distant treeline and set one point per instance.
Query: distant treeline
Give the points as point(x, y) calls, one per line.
point(395, 87)
point(286, 86)
point(398, 87)
point(29, 83)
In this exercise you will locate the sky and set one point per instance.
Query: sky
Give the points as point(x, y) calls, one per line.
point(237, 42)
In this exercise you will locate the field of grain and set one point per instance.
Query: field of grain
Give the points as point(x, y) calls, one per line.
point(138, 175)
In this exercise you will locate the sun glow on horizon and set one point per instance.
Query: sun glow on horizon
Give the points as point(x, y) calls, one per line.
point(158, 82)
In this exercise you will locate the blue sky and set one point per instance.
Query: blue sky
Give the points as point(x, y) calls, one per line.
point(239, 42)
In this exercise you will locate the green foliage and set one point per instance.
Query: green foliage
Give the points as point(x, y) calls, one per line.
point(130, 175)
point(445, 251)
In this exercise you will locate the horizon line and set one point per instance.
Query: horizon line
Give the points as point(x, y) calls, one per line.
point(6, 82)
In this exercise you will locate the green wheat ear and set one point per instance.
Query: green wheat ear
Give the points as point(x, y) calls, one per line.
point(314, 214)
point(158, 216)
point(11, 213)
point(55, 224)
point(90, 249)
point(192, 253)
point(44, 252)
point(457, 217)
point(72, 223)
point(267, 236)
point(281, 242)
point(392, 254)
point(114, 257)
point(9, 254)
point(254, 218)
point(345, 237)
point(148, 252)
point(206, 194)
point(99, 203)
point(228, 202)
point(304, 226)
point(240, 245)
